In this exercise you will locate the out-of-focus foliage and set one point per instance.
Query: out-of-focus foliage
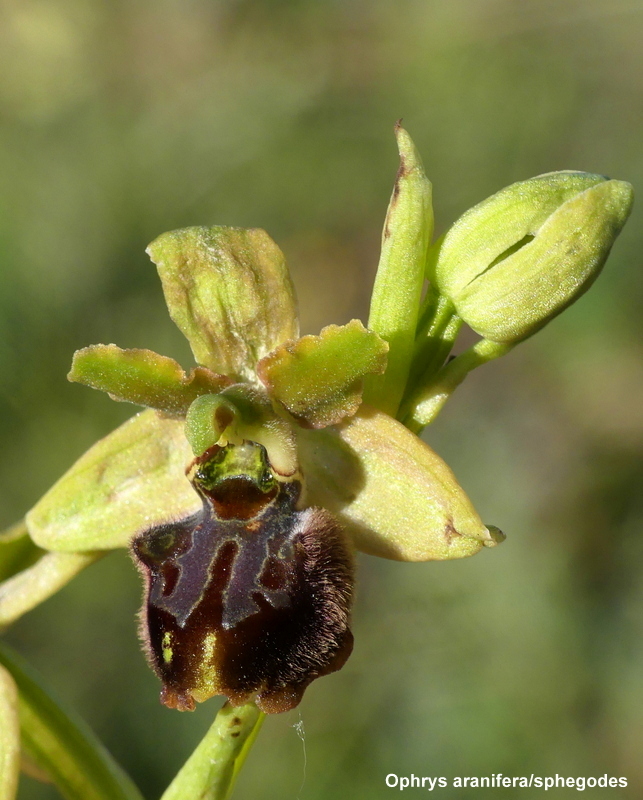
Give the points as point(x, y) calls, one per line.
point(123, 120)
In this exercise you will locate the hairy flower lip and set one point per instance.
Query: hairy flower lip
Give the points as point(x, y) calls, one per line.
point(250, 605)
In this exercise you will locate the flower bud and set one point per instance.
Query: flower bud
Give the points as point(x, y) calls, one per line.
point(514, 261)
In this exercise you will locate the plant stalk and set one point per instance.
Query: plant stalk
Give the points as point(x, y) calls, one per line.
point(211, 770)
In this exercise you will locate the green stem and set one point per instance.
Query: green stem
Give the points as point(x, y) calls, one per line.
point(437, 331)
point(17, 550)
point(27, 589)
point(435, 307)
point(442, 346)
point(61, 744)
point(427, 402)
point(211, 770)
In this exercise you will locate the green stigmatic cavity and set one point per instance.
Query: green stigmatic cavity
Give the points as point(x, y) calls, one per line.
point(247, 462)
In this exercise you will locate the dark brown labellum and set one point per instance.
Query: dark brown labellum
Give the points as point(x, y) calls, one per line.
point(250, 597)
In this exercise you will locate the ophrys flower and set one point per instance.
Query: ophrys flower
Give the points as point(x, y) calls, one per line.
point(245, 487)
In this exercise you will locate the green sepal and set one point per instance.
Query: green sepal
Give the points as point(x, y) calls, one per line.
point(61, 744)
point(9, 737)
point(319, 379)
point(27, 589)
point(395, 303)
point(142, 377)
point(516, 260)
point(132, 479)
point(395, 497)
point(229, 292)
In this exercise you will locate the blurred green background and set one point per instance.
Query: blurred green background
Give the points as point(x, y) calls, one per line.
point(120, 120)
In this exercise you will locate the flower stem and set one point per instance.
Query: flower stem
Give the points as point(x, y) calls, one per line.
point(211, 770)
point(436, 333)
point(17, 550)
point(25, 590)
point(426, 403)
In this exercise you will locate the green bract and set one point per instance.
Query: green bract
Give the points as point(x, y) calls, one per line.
point(395, 303)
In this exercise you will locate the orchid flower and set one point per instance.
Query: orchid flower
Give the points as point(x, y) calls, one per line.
point(246, 485)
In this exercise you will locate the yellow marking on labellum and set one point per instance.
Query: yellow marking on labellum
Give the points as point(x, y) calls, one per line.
point(167, 647)
point(207, 683)
point(209, 644)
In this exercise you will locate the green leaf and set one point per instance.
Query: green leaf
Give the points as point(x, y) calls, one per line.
point(319, 379)
point(132, 479)
point(396, 497)
point(395, 303)
point(61, 744)
point(143, 377)
point(9, 737)
point(210, 772)
point(34, 585)
point(229, 291)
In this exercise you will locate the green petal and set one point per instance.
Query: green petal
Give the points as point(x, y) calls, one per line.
point(34, 585)
point(394, 495)
point(142, 377)
point(319, 379)
point(9, 737)
point(132, 479)
point(229, 292)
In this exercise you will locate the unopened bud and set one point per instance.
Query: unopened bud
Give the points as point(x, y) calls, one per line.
point(514, 261)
